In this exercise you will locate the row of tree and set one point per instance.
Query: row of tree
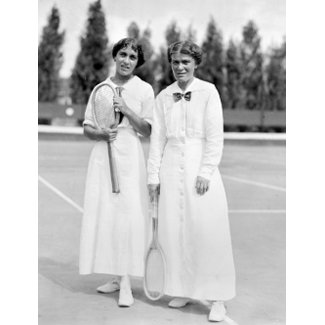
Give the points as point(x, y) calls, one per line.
point(244, 76)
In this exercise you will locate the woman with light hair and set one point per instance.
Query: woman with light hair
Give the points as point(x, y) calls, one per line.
point(185, 152)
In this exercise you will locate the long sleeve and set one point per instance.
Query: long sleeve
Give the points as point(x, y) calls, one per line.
point(88, 113)
point(214, 135)
point(157, 142)
point(147, 105)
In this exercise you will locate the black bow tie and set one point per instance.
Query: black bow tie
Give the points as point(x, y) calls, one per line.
point(178, 96)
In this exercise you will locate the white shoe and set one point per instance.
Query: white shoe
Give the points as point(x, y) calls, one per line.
point(178, 302)
point(109, 287)
point(217, 312)
point(126, 298)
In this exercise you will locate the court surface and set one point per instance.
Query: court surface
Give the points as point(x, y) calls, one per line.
point(254, 178)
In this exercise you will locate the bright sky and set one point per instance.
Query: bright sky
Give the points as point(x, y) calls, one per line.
point(230, 16)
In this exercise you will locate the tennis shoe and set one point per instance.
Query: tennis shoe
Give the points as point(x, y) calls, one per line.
point(109, 287)
point(217, 312)
point(126, 298)
point(178, 302)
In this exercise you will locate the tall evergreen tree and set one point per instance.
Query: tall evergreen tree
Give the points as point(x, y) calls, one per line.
point(50, 58)
point(92, 62)
point(212, 66)
point(252, 66)
point(276, 78)
point(234, 94)
point(147, 71)
point(190, 34)
point(133, 30)
point(173, 34)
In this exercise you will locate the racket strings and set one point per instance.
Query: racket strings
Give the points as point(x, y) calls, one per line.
point(103, 107)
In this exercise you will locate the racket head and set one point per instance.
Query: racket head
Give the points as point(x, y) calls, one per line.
point(154, 274)
point(102, 106)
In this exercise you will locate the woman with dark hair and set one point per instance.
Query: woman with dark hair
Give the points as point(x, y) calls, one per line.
point(114, 227)
point(185, 151)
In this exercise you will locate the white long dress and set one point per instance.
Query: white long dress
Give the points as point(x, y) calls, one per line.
point(115, 226)
point(187, 141)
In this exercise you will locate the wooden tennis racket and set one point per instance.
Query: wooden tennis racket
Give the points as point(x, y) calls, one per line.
point(155, 263)
point(105, 117)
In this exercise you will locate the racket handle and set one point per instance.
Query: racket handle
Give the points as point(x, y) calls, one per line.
point(117, 119)
point(155, 220)
point(118, 115)
point(112, 167)
point(155, 206)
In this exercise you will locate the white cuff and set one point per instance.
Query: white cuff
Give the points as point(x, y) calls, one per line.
point(153, 179)
point(205, 175)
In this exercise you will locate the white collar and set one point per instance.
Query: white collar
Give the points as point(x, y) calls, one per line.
point(125, 86)
point(195, 85)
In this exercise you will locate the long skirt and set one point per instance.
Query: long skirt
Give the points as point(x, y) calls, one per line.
point(115, 226)
point(194, 230)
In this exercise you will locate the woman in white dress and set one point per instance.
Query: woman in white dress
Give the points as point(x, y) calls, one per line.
point(185, 150)
point(114, 226)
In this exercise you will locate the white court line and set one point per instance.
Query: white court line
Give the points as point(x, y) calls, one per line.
point(60, 129)
point(258, 211)
point(254, 160)
point(227, 135)
point(80, 209)
point(254, 136)
point(268, 162)
point(60, 194)
point(242, 180)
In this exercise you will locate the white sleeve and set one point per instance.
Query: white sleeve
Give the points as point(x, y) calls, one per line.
point(214, 135)
point(147, 105)
point(157, 142)
point(89, 120)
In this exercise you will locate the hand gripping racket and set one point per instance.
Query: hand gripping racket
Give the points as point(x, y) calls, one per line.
point(155, 265)
point(105, 117)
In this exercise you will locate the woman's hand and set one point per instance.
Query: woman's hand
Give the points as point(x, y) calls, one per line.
point(120, 105)
point(139, 124)
point(108, 134)
point(154, 190)
point(202, 185)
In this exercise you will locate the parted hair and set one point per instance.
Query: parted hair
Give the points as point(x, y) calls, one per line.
point(185, 47)
point(133, 44)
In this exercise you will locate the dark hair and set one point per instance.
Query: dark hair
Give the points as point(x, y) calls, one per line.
point(135, 46)
point(185, 47)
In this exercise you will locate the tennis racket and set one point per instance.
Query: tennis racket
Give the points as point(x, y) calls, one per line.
point(105, 117)
point(155, 264)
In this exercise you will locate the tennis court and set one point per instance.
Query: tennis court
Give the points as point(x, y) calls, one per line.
point(254, 178)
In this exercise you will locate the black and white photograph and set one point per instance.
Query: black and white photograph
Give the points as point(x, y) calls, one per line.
point(161, 162)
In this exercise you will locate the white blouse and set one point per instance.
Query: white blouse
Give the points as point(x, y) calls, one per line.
point(200, 118)
point(138, 96)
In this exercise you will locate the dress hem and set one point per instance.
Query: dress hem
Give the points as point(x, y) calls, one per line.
point(113, 274)
point(209, 298)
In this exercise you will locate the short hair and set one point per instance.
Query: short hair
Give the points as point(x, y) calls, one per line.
point(135, 46)
point(185, 47)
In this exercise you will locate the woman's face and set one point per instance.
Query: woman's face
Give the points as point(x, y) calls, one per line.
point(126, 60)
point(183, 66)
